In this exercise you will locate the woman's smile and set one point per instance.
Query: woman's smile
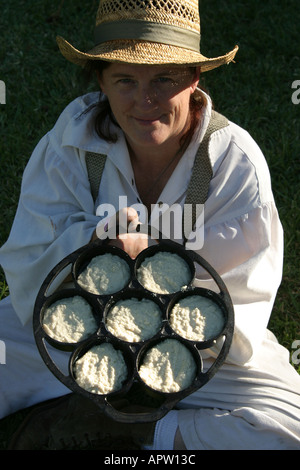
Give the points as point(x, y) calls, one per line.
point(147, 121)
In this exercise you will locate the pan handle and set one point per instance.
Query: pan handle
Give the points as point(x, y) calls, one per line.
point(139, 417)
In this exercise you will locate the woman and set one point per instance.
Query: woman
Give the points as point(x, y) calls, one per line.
point(149, 125)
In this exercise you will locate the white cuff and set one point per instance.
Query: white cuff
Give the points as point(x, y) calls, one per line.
point(165, 431)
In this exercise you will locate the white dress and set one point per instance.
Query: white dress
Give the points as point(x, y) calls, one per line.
point(254, 400)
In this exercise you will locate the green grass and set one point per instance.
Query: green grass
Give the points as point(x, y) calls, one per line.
point(255, 92)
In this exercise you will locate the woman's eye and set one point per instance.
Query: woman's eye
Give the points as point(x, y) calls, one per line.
point(125, 81)
point(163, 80)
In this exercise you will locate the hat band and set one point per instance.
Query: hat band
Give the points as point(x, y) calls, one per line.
point(147, 31)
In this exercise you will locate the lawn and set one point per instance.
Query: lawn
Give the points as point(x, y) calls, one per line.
point(255, 92)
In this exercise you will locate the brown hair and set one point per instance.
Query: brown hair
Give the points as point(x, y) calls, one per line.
point(105, 115)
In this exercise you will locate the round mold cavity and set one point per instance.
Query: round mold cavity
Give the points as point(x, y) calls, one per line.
point(120, 272)
point(163, 255)
point(60, 297)
point(145, 319)
point(119, 365)
point(211, 307)
point(167, 360)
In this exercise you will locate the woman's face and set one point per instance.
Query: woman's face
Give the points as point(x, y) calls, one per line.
point(150, 103)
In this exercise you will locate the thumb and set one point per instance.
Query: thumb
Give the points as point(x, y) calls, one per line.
point(128, 219)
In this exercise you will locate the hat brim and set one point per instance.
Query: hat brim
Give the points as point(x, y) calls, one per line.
point(142, 52)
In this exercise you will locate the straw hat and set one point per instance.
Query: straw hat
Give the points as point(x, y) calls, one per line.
point(147, 32)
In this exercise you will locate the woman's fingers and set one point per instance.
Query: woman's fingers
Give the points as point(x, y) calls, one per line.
point(123, 221)
point(122, 229)
point(132, 243)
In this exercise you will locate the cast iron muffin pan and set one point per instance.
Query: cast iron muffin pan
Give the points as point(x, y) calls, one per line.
point(133, 352)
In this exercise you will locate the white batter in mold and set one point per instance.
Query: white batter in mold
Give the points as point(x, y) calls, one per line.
point(164, 273)
point(105, 274)
point(101, 370)
point(69, 320)
point(197, 318)
point(168, 367)
point(134, 320)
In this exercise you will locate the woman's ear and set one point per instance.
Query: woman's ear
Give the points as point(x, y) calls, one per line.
point(100, 81)
point(196, 79)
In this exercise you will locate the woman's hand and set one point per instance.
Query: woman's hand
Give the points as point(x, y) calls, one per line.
point(132, 243)
point(128, 239)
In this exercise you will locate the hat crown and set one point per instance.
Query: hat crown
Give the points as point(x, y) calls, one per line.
point(151, 32)
point(179, 13)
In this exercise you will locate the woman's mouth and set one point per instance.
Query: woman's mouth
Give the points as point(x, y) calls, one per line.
point(147, 121)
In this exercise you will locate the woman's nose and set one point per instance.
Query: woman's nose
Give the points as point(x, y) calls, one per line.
point(147, 95)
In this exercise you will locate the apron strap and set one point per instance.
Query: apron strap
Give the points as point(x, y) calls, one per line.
point(95, 163)
point(197, 191)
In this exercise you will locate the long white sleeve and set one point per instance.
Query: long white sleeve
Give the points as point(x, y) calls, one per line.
point(55, 216)
point(247, 252)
